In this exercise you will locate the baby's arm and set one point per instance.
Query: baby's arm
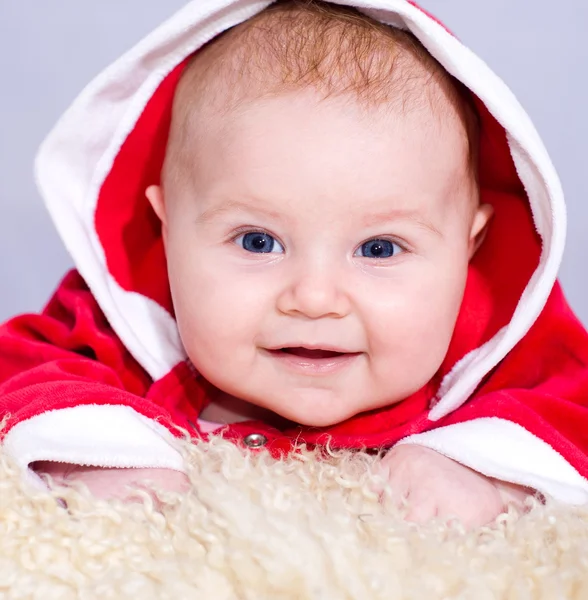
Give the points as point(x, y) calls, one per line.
point(437, 486)
point(70, 392)
point(434, 485)
point(110, 483)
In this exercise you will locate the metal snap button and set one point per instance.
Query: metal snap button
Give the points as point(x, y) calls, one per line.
point(255, 440)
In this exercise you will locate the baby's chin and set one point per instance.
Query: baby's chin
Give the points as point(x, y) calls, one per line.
point(308, 407)
point(318, 416)
point(315, 407)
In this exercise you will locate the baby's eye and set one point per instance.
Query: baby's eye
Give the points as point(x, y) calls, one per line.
point(257, 241)
point(378, 248)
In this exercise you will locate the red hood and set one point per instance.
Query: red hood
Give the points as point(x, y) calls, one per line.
point(95, 166)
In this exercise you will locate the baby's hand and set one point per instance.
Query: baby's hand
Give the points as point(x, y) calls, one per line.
point(436, 486)
point(113, 483)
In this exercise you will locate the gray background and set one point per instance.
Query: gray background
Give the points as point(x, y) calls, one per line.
point(50, 49)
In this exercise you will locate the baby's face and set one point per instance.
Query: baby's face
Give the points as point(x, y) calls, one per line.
point(318, 253)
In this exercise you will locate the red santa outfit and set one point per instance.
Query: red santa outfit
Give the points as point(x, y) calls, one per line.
point(101, 378)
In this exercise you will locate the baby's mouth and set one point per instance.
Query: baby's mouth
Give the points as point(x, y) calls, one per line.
point(307, 353)
point(315, 362)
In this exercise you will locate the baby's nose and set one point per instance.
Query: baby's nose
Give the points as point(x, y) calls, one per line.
point(315, 294)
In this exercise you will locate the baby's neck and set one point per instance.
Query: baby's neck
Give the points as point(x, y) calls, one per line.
point(226, 409)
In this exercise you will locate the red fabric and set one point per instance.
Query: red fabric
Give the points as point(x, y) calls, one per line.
point(542, 384)
point(129, 230)
point(69, 356)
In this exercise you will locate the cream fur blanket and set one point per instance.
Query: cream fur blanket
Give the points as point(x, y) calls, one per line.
point(253, 528)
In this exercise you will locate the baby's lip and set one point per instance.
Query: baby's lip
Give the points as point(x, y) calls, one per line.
point(311, 362)
point(306, 353)
point(312, 350)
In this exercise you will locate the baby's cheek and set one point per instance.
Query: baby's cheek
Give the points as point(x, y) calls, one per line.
point(218, 328)
point(204, 299)
point(208, 329)
point(409, 339)
point(433, 327)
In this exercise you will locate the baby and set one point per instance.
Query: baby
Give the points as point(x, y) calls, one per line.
point(320, 208)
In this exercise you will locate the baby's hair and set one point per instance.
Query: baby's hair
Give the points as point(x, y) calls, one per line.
point(337, 50)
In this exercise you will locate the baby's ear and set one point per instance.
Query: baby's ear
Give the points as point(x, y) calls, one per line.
point(154, 194)
point(479, 228)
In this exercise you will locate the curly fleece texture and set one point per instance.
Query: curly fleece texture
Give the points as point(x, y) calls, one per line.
point(255, 528)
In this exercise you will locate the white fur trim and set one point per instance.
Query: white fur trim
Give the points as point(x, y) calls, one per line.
point(78, 154)
point(96, 435)
point(506, 451)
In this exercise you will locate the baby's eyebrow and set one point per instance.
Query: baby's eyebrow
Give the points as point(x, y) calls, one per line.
point(387, 216)
point(400, 214)
point(236, 205)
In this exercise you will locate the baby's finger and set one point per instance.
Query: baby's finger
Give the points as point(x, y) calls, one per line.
point(391, 488)
point(420, 510)
point(378, 477)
